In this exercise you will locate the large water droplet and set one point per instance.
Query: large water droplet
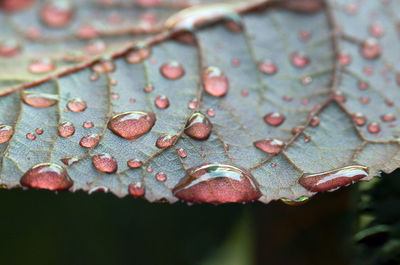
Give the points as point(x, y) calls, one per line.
point(371, 49)
point(41, 66)
point(66, 129)
point(274, 118)
point(198, 127)
point(388, 117)
point(6, 132)
point(90, 140)
point(76, 105)
point(131, 125)
point(217, 183)
point(160, 176)
point(136, 189)
point(270, 146)
point(137, 55)
point(333, 179)
point(39, 100)
point(57, 13)
point(166, 141)
point(105, 163)
point(374, 127)
point(215, 82)
point(46, 176)
point(172, 70)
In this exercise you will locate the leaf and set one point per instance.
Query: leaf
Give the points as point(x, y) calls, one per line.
point(314, 143)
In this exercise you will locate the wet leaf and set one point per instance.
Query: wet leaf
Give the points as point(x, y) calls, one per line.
point(232, 102)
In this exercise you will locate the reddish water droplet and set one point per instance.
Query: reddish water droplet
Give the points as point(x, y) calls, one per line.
point(69, 161)
point(211, 112)
point(351, 8)
point(105, 163)
point(193, 104)
point(136, 189)
point(166, 141)
point(87, 124)
point(172, 70)
point(131, 125)
point(161, 102)
point(66, 129)
point(160, 176)
point(94, 77)
point(14, 5)
point(306, 80)
point(6, 132)
point(274, 118)
point(39, 131)
point(217, 183)
point(198, 127)
point(182, 152)
point(39, 100)
point(148, 88)
point(307, 139)
point(376, 30)
point(388, 117)
point(267, 67)
point(374, 127)
point(47, 176)
point(363, 85)
point(389, 103)
point(90, 140)
point(365, 100)
point(9, 48)
point(359, 118)
point(339, 97)
point(137, 55)
point(41, 66)
point(57, 13)
point(270, 146)
point(30, 136)
point(344, 59)
point(95, 46)
point(304, 35)
point(244, 93)
point(299, 59)
point(297, 129)
point(215, 82)
point(104, 66)
point(134, 163)
point(371, 49)
point(233, 26)
point(314, 121)
point(87, 32)
point(331, 180)
point(149, 169)
point(235, 62)
point(76, 105)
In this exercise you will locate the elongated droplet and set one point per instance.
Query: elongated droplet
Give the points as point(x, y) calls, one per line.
point(105, 163)
point(160, 176)
point(39, 131)
point(388, 117)
point(9, 48)
point(299, 59)
point(76, 105)
point(166, 141)
point(41, 66)
point(161, 102)
point(267, 67)
point(270, 146)
point(131, 125)
point(134, 163)
point(299, 201)
point(371, 49)
point(46, 176)
point(215, 82)
point(39, 100)
point(198, 127)
point(66, 129)
point(217, 183)
point(69, 161)
point(137, 189)
point(333, 179)
point(14, 5)
point(90, 140)
point(30, 136)
point(57, 13)
point(137, 55)
point(6, 132)
point(172, 70)
point(274, 118)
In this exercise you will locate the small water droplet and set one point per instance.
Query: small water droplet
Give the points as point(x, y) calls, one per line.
point(198, 127)
point(76, 105)
point(47, 176)
point(172, 70)
point(39, 100)
point(69, 161)
point(6, 132)
point(57, 13)
point(314, 121)
point(166, 141)
point(304, 35)
point(148, 88)
point(30, 136)
point(87, 124)
point(160, 176)
point(333, 179)
point(271, 146)
point(363, 85)
point(104, 66)
point(344, 59)
point(182, 152)
point(211, 112)
point(105, 163)
point(299, 59)
point(137, 55)
point(217, 183)
point(86, 31)
point(41, 66)
point(374, 127)
point(388, 117)
point(339, 97)
point(9, 48)
point(133, 124)
point(359, 118)
point(134, 163)
point(370, 48)
point(161, 102)
point(215, 82)
point(136, 189)
point(90, 140)
point(149, 169)
point(306, 80)
point(66, 129)
point(365, 100)
point(193, 104)
point(39, 131)
point(376, 30)
point(267, 67)
point(94, 77)
point(274, 118)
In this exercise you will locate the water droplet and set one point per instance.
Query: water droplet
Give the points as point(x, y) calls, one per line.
point(388, 117)
point(66, 129)
point(297, 129)
point(134, 163)
point(95, 46)
point(374, 127)
point(90, 140)
point(39, 131)
point(274, 118)
point(299, 201)
point(46, 176)
point(69, 161)
point(104, 66)
point(333, 179)
point(371, 49)
point(314, 121)
point(41, 66)
point(182, 152)
point(57, 13)
point(211, 112)
point(87, 32)
point(306, 80)
point(76, 105)
point(30, 136)
point(131, 125)
point(267, 67)
point(376, 30)
point(217, 183)
point(304, 35)
point(193, 104)
point(94, 77)
point(363, 85)
point(160, 176)
point(365, 100)
point(136, 189)
point(339, 97)
point(6, 132)
point(198, 127)
point(161, 102)
point(271, 146)
point(215, 82)
point(299, 59)
point(105, 163)
point(9, 48)
point(87, 124)
point(359, 118)
point(166, 141)
point(149, 169)
point(137, 55)
point(172, 70)
point(344, 59)
point(39, 100)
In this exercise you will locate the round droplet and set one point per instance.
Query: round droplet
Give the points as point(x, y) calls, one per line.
point(371, 49)
point(267, 67)
point(160, 176)
point(344, 59)
point(6, 132)
point(66, 129)
point(211, 112)
point(274, 118)
point(270, 146)
point(359, 118)
point(166, 141)
point(339, 97)
point(69, 161)
point(87, 124)
point(198, 127)
point(215, 82)
point(161, 102)
point(76, 105)
point(137, 55)
point(134, 163)
point(95, 46)
point(388, 117)
point(41, 66)
point(193, 104)
point(47, 176)
point(182, 152)
point(87, 32)
point(39, 100)
point(376, 30)
point(363, 85)
point(9, 48)
point(217, 183)
point(299, 59)
point(365, 100)
point(136, 189)
point(90, 140)
point(172, 70)
point(39, 131)
point(131, 125)
point(30, 136)
point(57, 13)
point(314, 121)
point(374, 127)
point(105, 163)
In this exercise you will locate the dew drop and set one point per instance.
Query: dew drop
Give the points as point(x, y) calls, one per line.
point(41, 66)
point(193, 104)
point(47, 176)
point(105, 163)
point(69, 161)
point(39, 131)
point(166, 141)
point(148, 88)
point(371, 49)
point(87, 124)
point(333, 179)
point(365, 100)
point(274, 118)
point(344, 59)
point(172, 70)
point(9, 48)
point(217, 183)
point(314, 121)
point(134, 163)
point(30, 136)
point(39, 100)
point(160, 176)
point(94, 77)
point(339, 97)
point(149, 169)
point(359, 118)
point(76, 105)
point(14, 5)
point(104, 66)
point(304, 35)
point(182, 152)
point(215, 82)
point(211, 112)
point(133, 124)
point(137, 55)
point(267, 67)
point(161, 102)
point(271, 146)
point(374, 127)
point(388, 117)
point(87, 32)
point(6, 132)
point(136, 189)
point(363, 85)
point(57, 13)
point(299, 59)
point(66, 129)
point(198, 127)
point(376, 30)
point(306, 80)
point(89, 140)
